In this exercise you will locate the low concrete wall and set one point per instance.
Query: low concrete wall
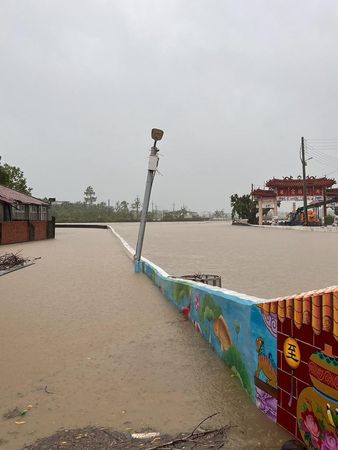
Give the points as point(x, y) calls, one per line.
point(322, 229)
point(283, 351)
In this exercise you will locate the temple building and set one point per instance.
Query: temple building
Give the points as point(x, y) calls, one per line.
point(319, 191)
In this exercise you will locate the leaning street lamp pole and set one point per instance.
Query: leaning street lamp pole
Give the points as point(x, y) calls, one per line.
point(156, 134)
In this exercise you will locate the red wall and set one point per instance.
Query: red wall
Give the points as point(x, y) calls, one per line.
point(12, 232)
point(18, 231)
point(40, 229)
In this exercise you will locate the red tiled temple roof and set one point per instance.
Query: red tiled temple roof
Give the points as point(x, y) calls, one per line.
point(290, 182)
point(259, 193)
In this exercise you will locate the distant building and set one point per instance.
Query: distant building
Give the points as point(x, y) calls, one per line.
point(191, 215)
point(23, 217)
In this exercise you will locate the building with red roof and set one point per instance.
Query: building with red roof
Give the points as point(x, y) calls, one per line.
point(23, 217)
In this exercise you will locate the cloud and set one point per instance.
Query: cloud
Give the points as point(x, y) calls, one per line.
point(234, 84)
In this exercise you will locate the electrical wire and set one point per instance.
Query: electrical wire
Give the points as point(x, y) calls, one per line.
point(325, 160)
point(321, 154)
point(317, 150)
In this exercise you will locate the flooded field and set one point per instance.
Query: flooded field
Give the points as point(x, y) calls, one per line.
point(85, 341)
point(257, 261)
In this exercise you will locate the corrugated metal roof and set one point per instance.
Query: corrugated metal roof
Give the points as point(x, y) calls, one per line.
point(11, 196)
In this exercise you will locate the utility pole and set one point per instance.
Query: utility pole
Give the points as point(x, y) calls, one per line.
point(304, 181)
point(152, 167)
point(325, 205)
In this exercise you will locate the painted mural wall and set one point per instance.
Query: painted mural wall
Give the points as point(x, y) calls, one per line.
point(307, 365)
point(222, 317)
point(284, 351)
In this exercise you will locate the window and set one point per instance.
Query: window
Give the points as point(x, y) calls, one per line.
point(44, 213)
point(19, 212)
point(33, 212)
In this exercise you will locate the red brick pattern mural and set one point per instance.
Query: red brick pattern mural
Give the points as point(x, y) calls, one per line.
point(307, 366)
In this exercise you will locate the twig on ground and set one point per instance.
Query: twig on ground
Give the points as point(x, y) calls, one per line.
point(193, 436)
point(47, 391)
point(204, 420)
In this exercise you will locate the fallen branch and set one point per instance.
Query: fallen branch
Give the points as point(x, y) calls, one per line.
point(10, 260)
point(193, 436)
point(204, 420)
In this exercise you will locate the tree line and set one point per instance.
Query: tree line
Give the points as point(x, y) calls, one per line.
point(89, 210)
point(121, 211)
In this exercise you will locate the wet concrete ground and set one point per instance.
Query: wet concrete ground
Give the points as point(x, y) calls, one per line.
point(110, 349)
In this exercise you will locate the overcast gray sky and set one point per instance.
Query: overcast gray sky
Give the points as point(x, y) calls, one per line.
point(234, 85)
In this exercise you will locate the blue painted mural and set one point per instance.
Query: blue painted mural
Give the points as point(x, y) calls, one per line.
point(283, 351)
point(264, 337)
point(223, 318)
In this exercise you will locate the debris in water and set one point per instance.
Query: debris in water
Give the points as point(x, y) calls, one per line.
point(11, 414)
point(47, 391)
point(10, 260)
point(149, 435)
point(14, 261)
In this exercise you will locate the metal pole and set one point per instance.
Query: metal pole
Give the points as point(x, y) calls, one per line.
point(325, 206)
point(152, 167)
point(304, 183)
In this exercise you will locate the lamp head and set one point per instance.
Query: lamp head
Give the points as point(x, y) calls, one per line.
point(156, 134)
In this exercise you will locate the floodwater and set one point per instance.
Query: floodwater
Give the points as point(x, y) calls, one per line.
point(85, 341)
point(263, 262)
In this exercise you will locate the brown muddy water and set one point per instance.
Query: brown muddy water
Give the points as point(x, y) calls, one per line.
point(85, 341)
point(257, 261)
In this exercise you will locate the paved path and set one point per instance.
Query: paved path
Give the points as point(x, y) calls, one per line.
point(112, 350)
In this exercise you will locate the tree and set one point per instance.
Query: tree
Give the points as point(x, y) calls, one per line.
point(182, 212)
point(219, 214)
point(244, 207)
point(89, 196)
point(136, 206)
point(13, 177)
point(122, 210)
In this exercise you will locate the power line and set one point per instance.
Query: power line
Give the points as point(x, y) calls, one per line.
point(329, 146)
point(322, 139)
point(322, 158)
point(322, 155)
point(325, 165)
point(318, 147)
point(329, 163)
